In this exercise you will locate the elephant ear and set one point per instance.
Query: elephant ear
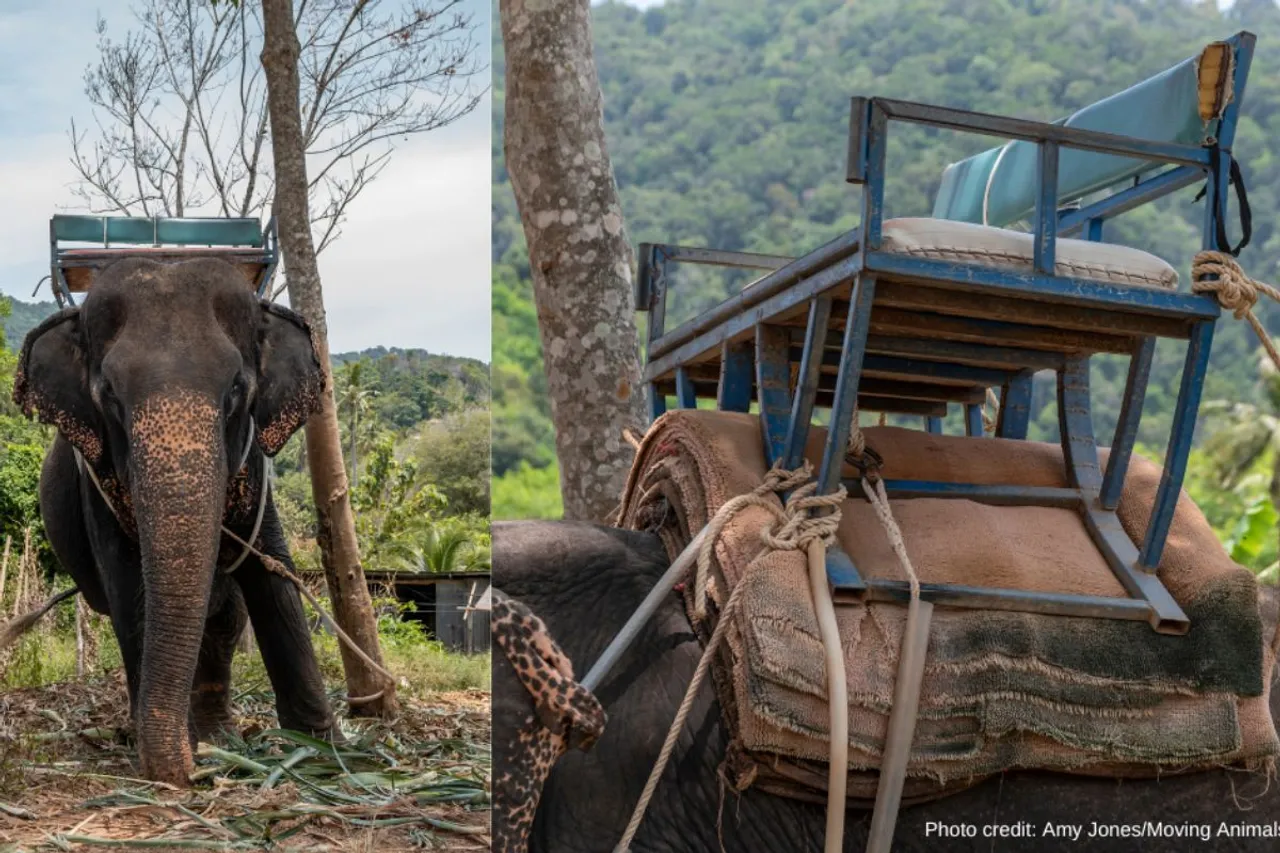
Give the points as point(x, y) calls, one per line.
point(52, 382)
point(290, 379)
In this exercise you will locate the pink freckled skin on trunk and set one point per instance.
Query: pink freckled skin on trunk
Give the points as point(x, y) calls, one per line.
point(179, 485)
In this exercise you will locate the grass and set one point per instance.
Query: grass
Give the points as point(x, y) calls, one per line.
point(68, 774)
point(47, 656)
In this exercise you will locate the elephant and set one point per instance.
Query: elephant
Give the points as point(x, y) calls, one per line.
point(584, 580)
point(170, 386)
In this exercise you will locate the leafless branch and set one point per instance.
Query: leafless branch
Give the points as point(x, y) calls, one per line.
point(179, 114)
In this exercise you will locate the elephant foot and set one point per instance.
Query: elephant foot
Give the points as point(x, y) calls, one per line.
point(210, 712)
point(327, 730)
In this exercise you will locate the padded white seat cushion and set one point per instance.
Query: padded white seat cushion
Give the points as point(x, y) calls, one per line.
point(964, 242)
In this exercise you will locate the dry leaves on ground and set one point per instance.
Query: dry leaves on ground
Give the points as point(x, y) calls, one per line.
point(67, 781)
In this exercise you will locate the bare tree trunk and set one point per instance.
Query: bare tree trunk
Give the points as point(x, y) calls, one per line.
point(336, 536)
point(578, 251)
point(80, 638)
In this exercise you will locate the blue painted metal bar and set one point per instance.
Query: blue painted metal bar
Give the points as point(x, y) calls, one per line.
point(846, 394)
point(1216, 188)
point(1015, 407)
point(1135, 392)
point(806, 392)
point(686, 395)
point(723, 258)
point(1109, 535)
point(933, 424)
point(802, 269)
point(993, 495)
point(843, 576)
point(855, 171)
point(973, 420)
point(1075, 421)
point(737, 363)
point(1128, 199)
point(1017, 600)
point(877, 140)
point(838, 275)
point(773, 389)
point(1038, 131)
point(1028, 285)
point(650, 296)
point(1175, 459)
point(1046, 212)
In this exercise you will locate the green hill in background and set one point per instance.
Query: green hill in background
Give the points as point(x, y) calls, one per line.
point(727, 124)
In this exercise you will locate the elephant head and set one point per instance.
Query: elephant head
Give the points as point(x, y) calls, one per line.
point(162, 379)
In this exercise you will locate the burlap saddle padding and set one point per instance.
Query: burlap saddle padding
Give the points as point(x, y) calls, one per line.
point(1002, 690)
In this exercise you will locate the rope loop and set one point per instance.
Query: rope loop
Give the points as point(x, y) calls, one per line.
point(1220, 273)
point(793, 527)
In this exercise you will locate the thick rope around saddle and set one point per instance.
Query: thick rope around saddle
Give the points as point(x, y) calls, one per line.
point(795, 530)
point(1220, 273)
point(798, 525)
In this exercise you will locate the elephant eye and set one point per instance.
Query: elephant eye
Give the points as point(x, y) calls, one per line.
point(235, 396)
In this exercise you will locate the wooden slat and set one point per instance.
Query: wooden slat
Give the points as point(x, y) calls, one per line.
point(918, 297)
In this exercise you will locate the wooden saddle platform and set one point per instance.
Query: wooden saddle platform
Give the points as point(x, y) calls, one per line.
point(913, 315)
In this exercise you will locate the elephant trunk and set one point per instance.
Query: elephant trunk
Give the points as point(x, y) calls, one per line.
point(178, 483)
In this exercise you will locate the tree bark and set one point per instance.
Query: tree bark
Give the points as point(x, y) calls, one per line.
point(579, 255)
point(336, 535)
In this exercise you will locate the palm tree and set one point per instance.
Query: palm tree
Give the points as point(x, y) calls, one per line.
point(359, 400)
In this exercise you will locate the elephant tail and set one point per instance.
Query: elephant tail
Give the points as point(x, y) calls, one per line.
point(13, 629)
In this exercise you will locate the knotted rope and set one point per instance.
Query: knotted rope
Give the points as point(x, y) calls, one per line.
point(797, 527)
point(857, 452)
point(906, 699)
point(794, 529)
point(1220, 274)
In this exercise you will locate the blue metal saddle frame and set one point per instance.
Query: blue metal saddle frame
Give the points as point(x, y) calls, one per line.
point(242, 240)
point(932, 332)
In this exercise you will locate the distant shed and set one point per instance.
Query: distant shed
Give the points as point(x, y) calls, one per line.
point(446, 603)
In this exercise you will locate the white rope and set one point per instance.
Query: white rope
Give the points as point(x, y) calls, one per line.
point(797, 531)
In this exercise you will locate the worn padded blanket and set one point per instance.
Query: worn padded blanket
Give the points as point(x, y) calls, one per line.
point(1002, 690)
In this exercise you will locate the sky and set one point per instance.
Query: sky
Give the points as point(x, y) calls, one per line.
point(412, 266)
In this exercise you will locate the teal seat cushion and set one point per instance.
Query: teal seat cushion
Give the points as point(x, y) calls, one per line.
point(165, 231)
point(1164, 108)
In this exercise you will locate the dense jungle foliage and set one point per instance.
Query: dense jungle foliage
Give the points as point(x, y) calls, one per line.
point(727, 123)
point(421, 451)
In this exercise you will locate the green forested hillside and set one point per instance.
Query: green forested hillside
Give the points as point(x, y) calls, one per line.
point(727, 123)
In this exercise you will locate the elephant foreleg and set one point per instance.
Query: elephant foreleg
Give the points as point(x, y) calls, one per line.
point(280, 628)
point(119, 566)
point(63, 512)
point(211, 687)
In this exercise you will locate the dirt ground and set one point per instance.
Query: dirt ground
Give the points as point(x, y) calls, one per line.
point(68, 781)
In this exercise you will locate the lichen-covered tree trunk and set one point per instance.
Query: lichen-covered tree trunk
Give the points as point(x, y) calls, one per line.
point(578, 250)
point(352, 606)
